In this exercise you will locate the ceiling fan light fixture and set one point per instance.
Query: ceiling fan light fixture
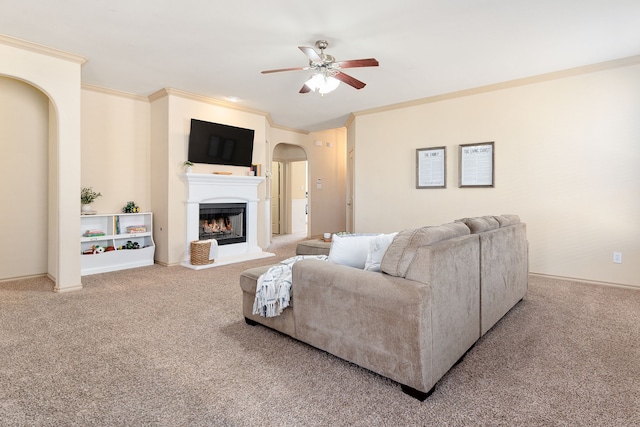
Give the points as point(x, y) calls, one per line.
point(322, 83)
point(328, 72)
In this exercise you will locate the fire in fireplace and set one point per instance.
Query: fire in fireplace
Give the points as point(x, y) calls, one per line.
point(225, 222)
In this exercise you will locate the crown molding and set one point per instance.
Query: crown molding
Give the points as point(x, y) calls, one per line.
point(114, 92)
point(592, 68)
point(288, 129)
point(201, 98)
point(44, 50)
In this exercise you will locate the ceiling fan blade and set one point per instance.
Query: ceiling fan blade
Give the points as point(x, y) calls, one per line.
point(284, 69)
point(304, 89)
point(351, 81)
point(369, 62)
point(311, 53)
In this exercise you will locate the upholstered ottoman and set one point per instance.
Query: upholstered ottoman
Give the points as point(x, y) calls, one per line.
point(313, 247)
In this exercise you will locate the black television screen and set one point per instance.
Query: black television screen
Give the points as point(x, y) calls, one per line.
point(218, 144)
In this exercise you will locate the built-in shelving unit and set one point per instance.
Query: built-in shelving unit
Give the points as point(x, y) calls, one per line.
point(111, 242)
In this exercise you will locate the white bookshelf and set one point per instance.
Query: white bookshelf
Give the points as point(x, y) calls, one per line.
point(118, 231)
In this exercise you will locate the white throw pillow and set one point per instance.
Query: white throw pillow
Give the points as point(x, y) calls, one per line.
point(377, 247)
point(350, 249)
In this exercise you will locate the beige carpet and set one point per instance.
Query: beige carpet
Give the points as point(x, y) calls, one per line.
point(161, 346)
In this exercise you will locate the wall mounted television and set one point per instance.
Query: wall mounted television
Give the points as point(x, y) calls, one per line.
point(219, 144)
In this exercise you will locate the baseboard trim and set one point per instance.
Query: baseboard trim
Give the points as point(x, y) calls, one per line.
point(586, 282)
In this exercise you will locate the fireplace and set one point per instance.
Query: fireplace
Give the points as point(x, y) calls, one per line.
point(223, 208)
point(225, 222)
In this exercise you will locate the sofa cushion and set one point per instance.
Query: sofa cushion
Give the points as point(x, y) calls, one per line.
point(313, 247)
point(480, 224)
point(507, 220)
point(377, 248)
point(350, 249)
point(403, 248)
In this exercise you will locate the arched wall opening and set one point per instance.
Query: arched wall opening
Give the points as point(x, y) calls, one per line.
point(57, 75)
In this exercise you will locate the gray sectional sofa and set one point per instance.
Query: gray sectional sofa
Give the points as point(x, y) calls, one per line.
point(439, 290)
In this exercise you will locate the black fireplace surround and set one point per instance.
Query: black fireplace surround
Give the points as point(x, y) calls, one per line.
point(225, 222)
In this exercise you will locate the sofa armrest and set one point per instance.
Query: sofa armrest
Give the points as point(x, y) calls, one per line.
point(452, 268)
point(380, 322)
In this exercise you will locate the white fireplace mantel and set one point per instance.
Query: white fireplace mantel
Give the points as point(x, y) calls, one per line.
point(212, 188)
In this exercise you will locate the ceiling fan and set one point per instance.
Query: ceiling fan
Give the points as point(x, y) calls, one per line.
point(327, 74)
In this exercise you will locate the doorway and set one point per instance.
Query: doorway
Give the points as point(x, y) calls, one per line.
point(289, 190)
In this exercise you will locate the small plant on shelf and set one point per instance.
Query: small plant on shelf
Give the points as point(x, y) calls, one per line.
point(88, 196)
point(131, 207)
point(187, 163)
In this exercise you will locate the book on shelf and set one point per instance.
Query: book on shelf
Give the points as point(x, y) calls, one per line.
point(137, 229)
point(93, 233)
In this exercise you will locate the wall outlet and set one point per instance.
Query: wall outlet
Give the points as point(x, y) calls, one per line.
point(617, 257)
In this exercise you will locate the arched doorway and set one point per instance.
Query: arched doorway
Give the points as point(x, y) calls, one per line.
point(61, 84)
point(289, 190)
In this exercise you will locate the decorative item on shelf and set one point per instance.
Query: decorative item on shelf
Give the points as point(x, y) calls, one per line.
point(130, 245)
point(131, 207)
point(93, 233)
point(188, 166)
point(87, 197)
point(94, 250)
point(134, 229)
point(256, 169)
point(326, 237)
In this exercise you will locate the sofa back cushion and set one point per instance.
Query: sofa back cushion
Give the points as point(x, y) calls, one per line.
point(403, 248)
point(480, 224)
point(507, 220)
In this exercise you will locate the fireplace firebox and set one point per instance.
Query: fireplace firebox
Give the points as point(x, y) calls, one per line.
point(225, 222)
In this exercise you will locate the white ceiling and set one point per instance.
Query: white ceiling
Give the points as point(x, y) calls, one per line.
point(425, 47)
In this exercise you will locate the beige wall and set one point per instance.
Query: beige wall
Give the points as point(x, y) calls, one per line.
point(567, 155)
point(160, 177)
point(24, 140)
point(116, 149)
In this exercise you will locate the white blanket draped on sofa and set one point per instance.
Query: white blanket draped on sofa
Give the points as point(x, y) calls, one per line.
point(273, 289)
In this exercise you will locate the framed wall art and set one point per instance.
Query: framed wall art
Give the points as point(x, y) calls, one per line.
point(476, 165)
point(431, 167)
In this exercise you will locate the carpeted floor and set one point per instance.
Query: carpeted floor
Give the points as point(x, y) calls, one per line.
point(160, 346)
